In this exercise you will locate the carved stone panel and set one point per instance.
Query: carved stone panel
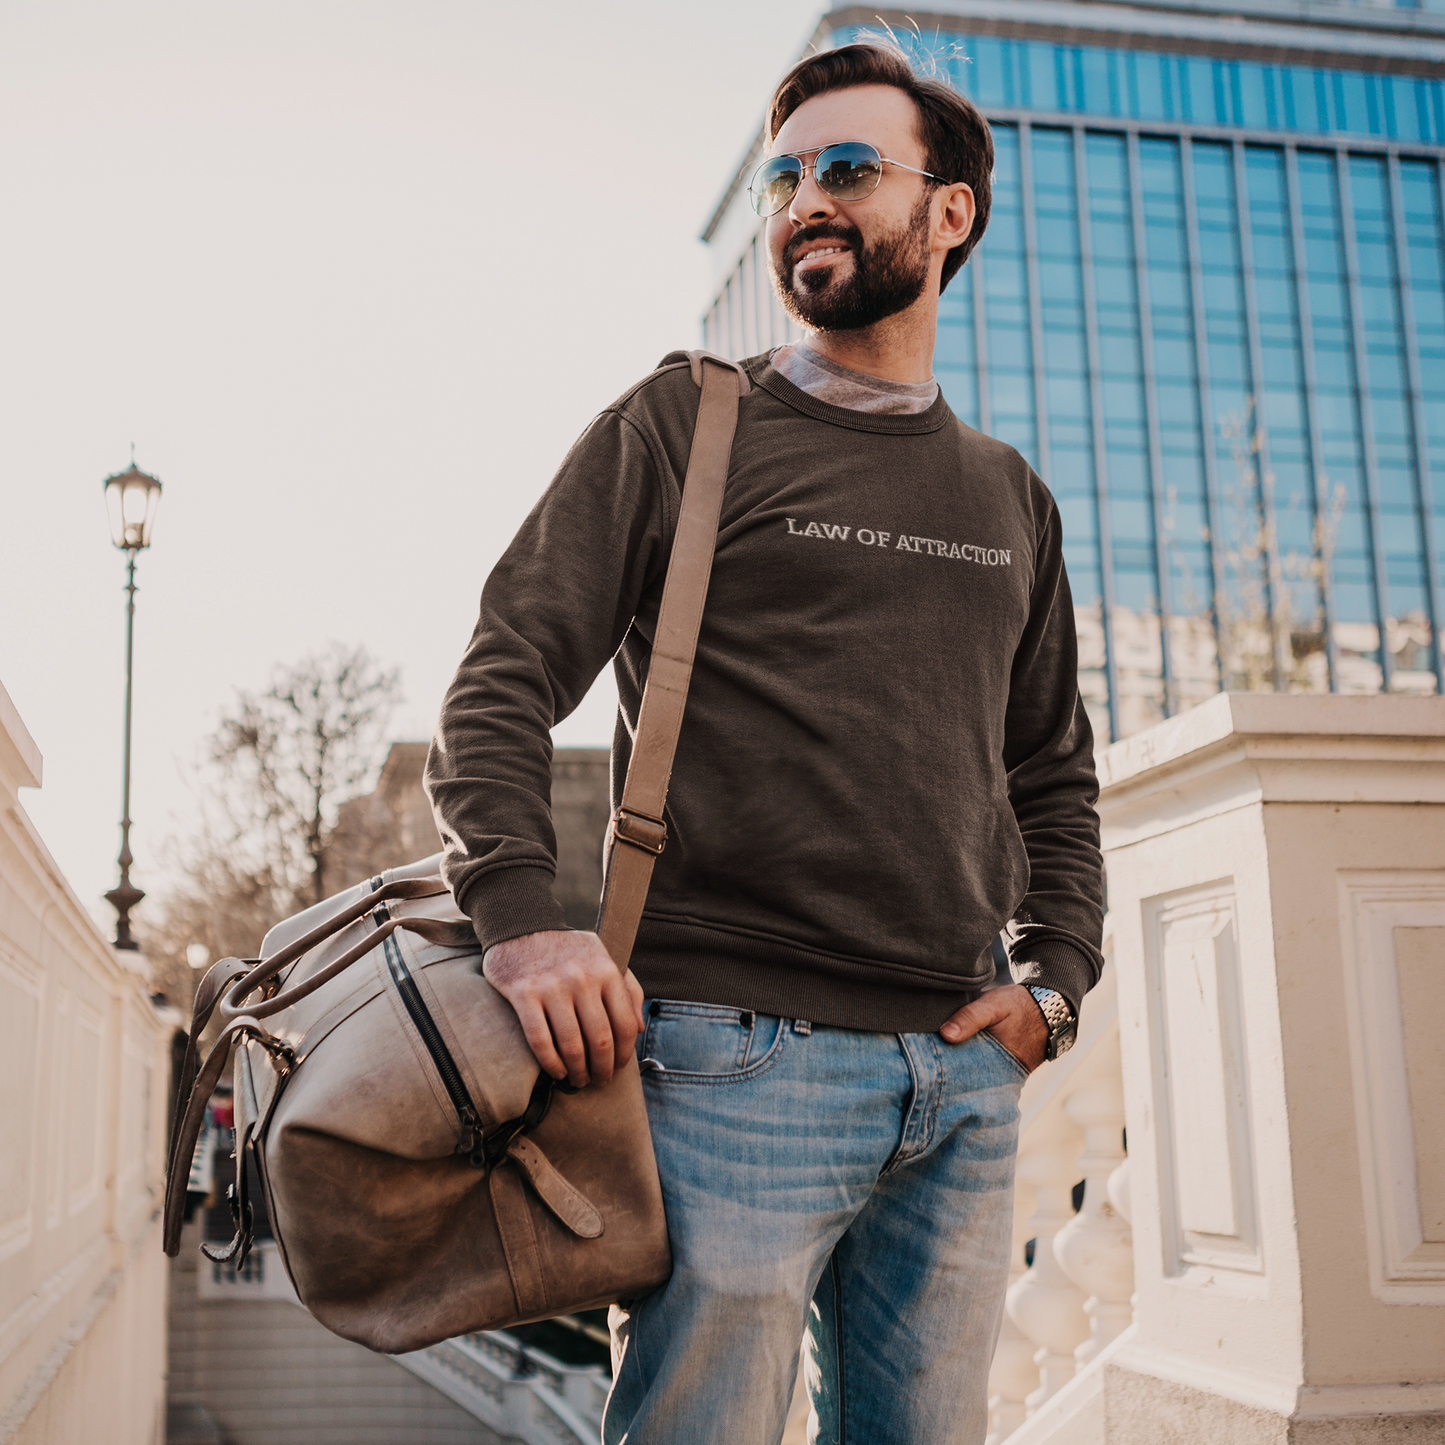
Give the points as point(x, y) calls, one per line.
point(1206, 1155)
point(19, 1078)
point(1393, 936)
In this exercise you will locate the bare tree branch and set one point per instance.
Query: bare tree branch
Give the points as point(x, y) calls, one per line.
point(284, 760)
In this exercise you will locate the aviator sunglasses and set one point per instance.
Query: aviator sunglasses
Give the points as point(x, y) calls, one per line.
point(847, 171)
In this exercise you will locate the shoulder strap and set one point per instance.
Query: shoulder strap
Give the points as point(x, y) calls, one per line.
point(638, 824)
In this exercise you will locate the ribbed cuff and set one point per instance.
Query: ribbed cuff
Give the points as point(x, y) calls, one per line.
point(512, 902)
point(1059, 966)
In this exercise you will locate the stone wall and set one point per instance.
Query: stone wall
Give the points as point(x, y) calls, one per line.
point(84, 1079)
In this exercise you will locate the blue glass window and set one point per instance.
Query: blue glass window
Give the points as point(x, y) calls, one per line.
point(1241, 549)
point(1136, 631)
point(1146, 85)
point(1344, 522)
point(1185, 523)
point(1392, 426)
point(955, 357)
point(1006, 304)
point(1282, 403)
point(1425, 251)
point(1069, 405)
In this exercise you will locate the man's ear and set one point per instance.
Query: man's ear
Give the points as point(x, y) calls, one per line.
point(955, 217)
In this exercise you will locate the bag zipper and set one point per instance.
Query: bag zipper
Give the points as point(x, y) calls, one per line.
point(472, 1144)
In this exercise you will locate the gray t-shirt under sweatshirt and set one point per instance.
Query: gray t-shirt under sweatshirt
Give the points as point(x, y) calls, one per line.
point(826, 380)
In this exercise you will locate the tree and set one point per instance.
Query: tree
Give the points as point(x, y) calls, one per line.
point(292, 753)
point(282, 762)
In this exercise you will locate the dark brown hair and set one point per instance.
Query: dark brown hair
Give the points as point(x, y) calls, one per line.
point(957, 143)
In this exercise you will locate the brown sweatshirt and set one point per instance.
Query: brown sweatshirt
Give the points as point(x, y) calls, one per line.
point(884, 759)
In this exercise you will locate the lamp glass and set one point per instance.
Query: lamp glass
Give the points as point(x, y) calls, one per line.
point(131, 500)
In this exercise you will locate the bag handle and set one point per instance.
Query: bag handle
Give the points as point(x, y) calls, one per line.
point(639, 823)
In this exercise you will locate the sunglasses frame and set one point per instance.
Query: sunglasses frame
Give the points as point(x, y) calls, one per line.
point(816, 152)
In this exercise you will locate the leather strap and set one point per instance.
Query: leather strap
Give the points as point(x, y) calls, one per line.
point(190, 1118)
point(217, 979)
point(233, 1004)
point(563, 1198)
point(638, 832)
point(519, 1242)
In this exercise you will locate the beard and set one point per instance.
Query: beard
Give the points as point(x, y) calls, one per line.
point(887, 277)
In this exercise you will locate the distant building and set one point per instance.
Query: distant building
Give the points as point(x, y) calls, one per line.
point(393, 825)
point(1210, 310)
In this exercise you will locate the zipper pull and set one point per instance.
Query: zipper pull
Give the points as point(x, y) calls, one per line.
point(472, 1144)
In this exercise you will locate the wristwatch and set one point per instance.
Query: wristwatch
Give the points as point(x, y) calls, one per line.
point(1063, 1027)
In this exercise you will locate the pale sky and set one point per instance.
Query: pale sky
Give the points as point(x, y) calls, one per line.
point(351, 277)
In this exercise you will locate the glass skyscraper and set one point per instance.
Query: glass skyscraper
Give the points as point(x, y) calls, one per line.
point(1210, 310)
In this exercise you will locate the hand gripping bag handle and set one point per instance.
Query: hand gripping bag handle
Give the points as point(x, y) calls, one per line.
point(637, 825)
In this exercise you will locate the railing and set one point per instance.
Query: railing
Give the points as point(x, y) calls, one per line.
point(514, 1389)
point(1070, 1298)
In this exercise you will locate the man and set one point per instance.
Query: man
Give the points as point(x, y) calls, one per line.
point(884, 761)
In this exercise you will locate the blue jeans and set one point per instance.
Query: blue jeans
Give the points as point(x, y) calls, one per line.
point(853, 1191)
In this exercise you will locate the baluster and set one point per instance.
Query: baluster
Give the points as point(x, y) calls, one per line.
point(1044, 1303)
point(1119, 1192)
point(1013, 1375)
point(1096, 1248)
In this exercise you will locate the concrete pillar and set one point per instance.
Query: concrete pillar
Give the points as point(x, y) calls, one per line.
point(1276, 876)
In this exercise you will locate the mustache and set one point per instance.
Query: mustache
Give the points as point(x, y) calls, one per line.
point(823, 231)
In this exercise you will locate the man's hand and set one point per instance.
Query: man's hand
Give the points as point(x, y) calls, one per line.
point(580, 1015)
point(1010, 1014)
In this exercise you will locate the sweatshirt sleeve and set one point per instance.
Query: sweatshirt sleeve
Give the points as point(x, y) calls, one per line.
point(554, 611)
point(1056, 933)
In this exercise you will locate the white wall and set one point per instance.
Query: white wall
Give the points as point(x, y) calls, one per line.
point(84, 1074)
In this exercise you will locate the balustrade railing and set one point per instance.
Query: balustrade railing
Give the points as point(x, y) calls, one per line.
point(1074, 1269)
point(516, 1390)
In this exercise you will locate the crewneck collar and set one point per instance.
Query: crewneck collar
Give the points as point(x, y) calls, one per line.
point(761, 371)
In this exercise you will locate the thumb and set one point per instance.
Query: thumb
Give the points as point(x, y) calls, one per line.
point(971, 1019)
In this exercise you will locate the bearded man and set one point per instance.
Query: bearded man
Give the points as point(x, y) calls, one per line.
point(883, 763)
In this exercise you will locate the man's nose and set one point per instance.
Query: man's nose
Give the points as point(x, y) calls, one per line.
point(810, 202)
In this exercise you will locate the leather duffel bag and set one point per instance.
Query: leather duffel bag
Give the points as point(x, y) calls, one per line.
point(423, 1177)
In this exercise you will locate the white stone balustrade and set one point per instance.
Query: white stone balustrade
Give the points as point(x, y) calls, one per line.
point(1095, 1248)
point(1119, 1194)
point(1044, 1302)
point(1013, 1377)
point(1066, 1309)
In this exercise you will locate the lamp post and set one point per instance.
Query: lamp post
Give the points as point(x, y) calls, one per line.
point(131, 498)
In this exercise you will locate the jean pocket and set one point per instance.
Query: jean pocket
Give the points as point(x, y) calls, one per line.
point(1019, 1067)
point(705, 1042)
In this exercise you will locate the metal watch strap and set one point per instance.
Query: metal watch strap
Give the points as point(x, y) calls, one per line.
point(1059, 1017)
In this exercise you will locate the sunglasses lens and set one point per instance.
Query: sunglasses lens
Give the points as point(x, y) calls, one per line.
point(849, 172)
point(775, 184)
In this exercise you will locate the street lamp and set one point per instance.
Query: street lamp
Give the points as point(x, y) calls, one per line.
point(131, 498)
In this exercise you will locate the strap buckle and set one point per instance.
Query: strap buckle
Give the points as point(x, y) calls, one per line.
point(488, 1150)
point(641, 830)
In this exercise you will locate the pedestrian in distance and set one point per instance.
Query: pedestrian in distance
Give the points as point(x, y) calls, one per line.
point(884, 762)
